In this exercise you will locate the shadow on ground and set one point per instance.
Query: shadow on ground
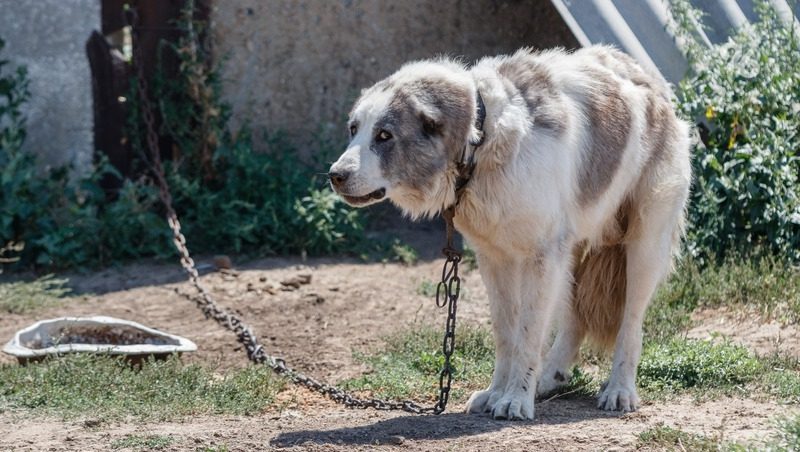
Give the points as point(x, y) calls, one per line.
point(445, 426)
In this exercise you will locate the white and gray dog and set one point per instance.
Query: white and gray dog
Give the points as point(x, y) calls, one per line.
point(575, 207)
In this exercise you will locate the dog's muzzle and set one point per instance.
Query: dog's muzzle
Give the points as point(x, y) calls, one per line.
point(338, 182)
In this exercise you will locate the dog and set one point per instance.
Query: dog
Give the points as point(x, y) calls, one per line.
point(574, 203)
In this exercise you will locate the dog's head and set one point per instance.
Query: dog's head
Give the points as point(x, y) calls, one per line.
point(406, 133)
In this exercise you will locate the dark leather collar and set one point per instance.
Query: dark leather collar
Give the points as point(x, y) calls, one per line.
point(466, 166)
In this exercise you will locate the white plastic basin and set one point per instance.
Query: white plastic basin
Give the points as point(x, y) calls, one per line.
point(95, 334)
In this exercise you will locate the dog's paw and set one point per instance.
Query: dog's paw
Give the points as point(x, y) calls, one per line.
point(550, 381)
point(618, 397)
point(482, 401)
point(502, 405)
point(514, 405)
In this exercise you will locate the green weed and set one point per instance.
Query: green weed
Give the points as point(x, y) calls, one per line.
point(111, 388)
point(680, 364)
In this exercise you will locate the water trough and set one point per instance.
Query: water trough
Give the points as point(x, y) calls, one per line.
point(95, 334)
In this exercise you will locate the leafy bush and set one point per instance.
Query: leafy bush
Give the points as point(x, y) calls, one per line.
point(64, 222)
point(746, 194)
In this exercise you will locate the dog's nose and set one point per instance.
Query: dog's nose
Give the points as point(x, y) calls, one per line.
point(338, 178)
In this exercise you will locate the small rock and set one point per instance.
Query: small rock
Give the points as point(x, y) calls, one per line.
point(223, 262)
point(91, 423)
point(314, 298)
point(296, 281)
point(394, 440)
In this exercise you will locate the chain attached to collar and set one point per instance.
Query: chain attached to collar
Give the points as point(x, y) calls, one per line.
point(449, 287)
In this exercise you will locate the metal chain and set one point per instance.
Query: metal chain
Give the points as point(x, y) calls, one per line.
point(446, 294)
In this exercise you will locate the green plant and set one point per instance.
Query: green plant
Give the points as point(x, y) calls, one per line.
point(686, 363)
point(746, 194)
point(13, 93)
point(62, 221)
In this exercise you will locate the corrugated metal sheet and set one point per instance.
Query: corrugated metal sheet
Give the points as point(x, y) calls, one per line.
point(639, 27)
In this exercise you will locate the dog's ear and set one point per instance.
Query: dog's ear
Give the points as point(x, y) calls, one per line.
point(430, 126)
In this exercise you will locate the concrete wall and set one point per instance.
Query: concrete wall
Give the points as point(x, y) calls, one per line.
point(297, 65)
point(48, 37)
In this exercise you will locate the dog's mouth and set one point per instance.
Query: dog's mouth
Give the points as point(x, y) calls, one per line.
point(376, 195)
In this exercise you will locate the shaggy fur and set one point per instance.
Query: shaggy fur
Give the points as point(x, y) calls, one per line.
point(575, 207)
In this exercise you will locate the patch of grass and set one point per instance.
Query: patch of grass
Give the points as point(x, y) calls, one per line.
point(787, 437)
point(427, 288)
point(149, 442)
point(408, 365)
point(111, 388)
point(783, 385)
point(781, 379)
point(21, 297)
point(685, 363)
point(668, 438)
point(769, 284)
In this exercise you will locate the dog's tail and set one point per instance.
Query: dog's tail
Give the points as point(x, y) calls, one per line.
point(599, 292)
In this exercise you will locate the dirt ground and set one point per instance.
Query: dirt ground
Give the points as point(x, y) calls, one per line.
point(316, 327)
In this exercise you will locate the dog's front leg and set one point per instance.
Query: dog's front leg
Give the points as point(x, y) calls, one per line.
point(522, 293)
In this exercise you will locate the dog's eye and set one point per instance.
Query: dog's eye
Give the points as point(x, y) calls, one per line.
point(353, 130)
point(383, 136)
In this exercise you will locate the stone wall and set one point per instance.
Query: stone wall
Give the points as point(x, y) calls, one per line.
point(297, 65)
point(48, 36)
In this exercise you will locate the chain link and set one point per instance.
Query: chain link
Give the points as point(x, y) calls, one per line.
point(446, 294)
